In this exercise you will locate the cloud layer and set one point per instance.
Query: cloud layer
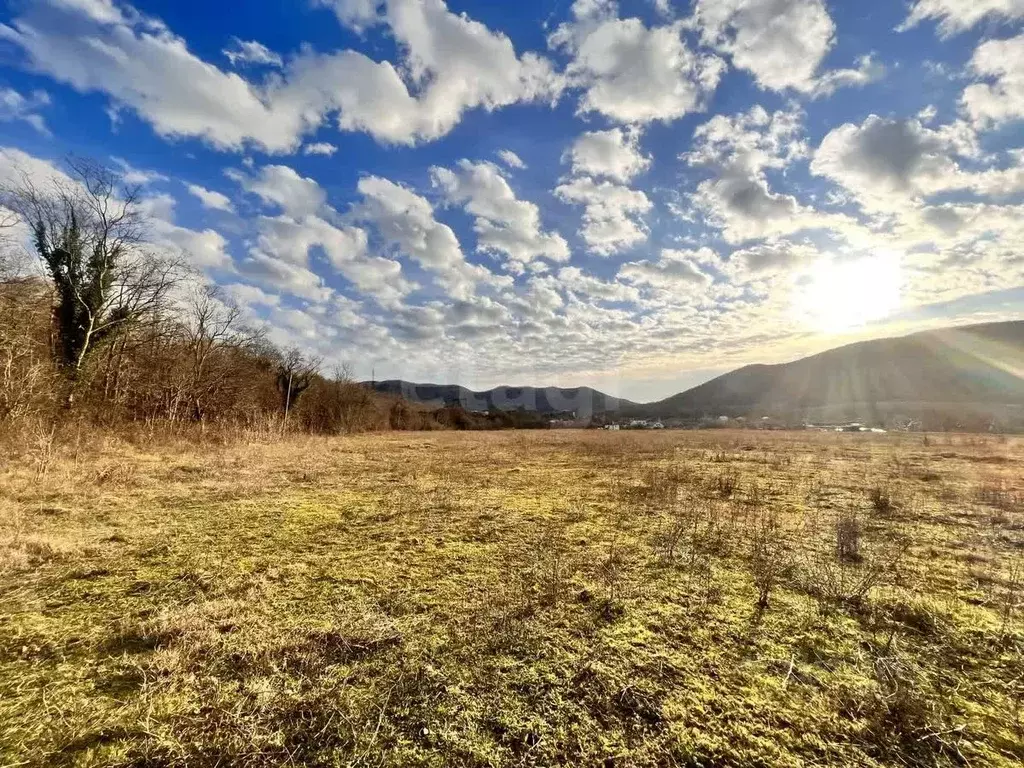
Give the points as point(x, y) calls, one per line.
point(620, 191)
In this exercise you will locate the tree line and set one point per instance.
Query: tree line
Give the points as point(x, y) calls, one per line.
point(109, 330)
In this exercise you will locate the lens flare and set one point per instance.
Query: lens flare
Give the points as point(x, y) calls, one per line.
point(835, 294)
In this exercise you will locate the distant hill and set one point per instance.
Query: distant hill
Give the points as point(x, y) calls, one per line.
point(583, 401)
point(972, 372)
point(967, 377)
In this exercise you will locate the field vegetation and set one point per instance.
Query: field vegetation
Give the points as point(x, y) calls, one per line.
point(512, 598)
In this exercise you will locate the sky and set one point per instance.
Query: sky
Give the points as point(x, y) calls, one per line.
point(634, 196)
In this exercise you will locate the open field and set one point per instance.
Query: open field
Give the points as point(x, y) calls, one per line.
point(578, 598)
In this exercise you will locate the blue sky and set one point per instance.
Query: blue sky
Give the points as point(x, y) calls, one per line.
point(631, 195)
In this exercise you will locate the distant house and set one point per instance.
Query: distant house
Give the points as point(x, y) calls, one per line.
point(612, 427)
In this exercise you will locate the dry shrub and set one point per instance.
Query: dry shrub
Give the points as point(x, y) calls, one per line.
point(20, 551)
point(695, 528)
point(908, 717)
point(660, 488)
point(679, 530)
point(848, 536)
point(1009, 598)
point(544, 575)
point(613, 574)
point(118, 474)
point(28, 377)
point(839, 581)
point(726, 484)
point(44, 447)
point(995, 494)
point(547, 576)
point(885, 500)
point(770, 554)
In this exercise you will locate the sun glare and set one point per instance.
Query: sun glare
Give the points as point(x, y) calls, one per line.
point(837, 295)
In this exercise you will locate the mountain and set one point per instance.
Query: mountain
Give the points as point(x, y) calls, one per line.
point(967, 377)
point(964, 373)
point(583, 401)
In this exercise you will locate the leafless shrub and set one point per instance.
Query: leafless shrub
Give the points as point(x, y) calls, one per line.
point(542, 576)
point(1010, 599)
point(44, 447)
point(884, 500)
point(696, 534)
point(995, 494)
point(908, 716)
point(444, 494)
point(712, 537)
point(726, 484)
point(613, 574)
point(667, 540)
point(26, 372)
point(694, 537)
point(702, 578)
point(838, 581)
point(118, 473)
point(848, 536)
point(552, 568)
point(770, 555)
point(680, 529)
point(759, 494)
point(660, 488)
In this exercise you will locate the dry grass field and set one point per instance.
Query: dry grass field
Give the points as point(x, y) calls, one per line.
point(493, 599)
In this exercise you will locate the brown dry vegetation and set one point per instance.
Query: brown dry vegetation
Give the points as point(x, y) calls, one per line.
point(577, 598)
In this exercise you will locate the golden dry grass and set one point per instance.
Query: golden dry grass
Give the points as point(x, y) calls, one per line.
point(576, 598)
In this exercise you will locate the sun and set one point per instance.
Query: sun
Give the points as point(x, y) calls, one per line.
point(838, 294)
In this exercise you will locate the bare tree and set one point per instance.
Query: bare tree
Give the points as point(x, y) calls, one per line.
point(88, 231)
point(295, 373)
point(212, 324)
point(25, 366)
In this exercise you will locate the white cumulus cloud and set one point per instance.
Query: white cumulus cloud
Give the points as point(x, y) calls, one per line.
point(611, 214)
point(780, 42)
point(504, 224)
point(449, 64)
point(613, 153)
point(674, 271)
point(281, 186)
point(211, 199)
point(888, 163)
point(321, 148)
point(406, 223)
point(511, 159)
point(1002, 99)
point(252, 52)
point(954, 16)
point(631, 73)
point(14, 106)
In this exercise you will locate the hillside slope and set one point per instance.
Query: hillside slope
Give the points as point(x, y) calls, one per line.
point(969, 369)
point(583, 401)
